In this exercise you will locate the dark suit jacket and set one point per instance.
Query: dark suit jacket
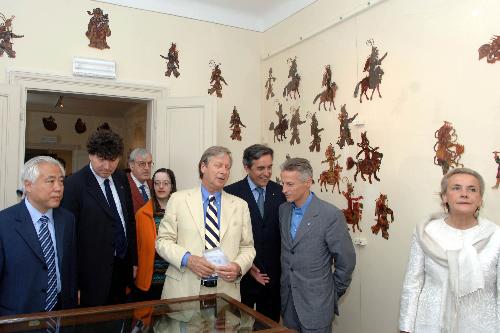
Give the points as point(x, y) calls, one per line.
point(137, 199)
point(321, 240)
point(23, 271)
point(95, 238)
point(266, 232)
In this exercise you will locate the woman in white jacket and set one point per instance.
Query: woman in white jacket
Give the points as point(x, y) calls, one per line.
point(452, 280)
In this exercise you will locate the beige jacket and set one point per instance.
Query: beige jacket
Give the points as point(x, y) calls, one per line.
point(182, 230)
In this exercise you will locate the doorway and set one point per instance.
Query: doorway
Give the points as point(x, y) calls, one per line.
point(59, 124)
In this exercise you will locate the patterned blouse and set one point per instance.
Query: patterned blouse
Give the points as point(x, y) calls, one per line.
point(160, 265)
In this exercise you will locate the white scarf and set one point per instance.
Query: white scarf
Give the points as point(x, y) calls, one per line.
point(465, 276)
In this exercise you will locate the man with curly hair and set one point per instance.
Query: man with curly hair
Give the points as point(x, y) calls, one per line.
point(99, 197)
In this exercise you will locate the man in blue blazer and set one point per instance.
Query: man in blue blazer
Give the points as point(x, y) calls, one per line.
point(37, 245)
point(260, 287)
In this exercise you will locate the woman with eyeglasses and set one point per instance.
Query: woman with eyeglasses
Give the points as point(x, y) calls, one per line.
point(452, 281)
point(151, 267)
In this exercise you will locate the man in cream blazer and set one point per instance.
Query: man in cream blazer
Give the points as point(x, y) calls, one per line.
point(182, 235)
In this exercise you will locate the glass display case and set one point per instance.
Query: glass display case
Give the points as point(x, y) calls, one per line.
point(207, 313)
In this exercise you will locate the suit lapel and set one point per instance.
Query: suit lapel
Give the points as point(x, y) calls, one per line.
point(270, 199)
point(121, 194)
point(308, 220)
point(95, 191)
point(285, 221)
point(195, 205)
point(59, 230)
point(250, 199)
point(227, 208)
point(26, 229)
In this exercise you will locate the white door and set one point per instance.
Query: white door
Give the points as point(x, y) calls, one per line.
point(10, 157)
point(184, 128)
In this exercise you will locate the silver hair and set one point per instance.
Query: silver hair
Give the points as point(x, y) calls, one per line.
point(458, 171)
point(31, 171)
point(138, 152)
point(213, 152)
point(301, 165)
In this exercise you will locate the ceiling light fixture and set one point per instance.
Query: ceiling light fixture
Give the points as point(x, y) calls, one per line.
point(59, 104)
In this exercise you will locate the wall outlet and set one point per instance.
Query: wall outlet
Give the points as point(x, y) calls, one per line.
point(359, 241)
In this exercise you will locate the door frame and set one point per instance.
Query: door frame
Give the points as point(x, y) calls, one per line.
point(30, 80)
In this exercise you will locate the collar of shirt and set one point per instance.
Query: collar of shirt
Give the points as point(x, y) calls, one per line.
point(99, 179)
point(36, 215)
point(205, 194)
point(253, 188)
point(137, 182)
point(35, 218)
point(302, 210)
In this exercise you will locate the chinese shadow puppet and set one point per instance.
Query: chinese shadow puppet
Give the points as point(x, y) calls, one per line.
point(316, 141)
point(370, 164)
point(345, 131)
point(382, 211)
point(269, 84)
point(80, 126)
point(235, 125)
point(491, 51)
point(354, 211)
point(6, 35)
point(172, 59)
point(294, 126)
point(448, 151)
point(497, 159)
point(374, 74)
point(328, 94)
point(215, 79)
point(293, 85)
point(98, 29)
point(332, 175)
point(49, 123)
point(281, 126)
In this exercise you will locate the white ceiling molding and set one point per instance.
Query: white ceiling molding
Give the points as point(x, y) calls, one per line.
point(255, 15)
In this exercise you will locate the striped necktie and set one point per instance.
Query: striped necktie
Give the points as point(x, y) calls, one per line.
point(50, 261)
point(144, 194)
point(211, 225)
point(260, 200)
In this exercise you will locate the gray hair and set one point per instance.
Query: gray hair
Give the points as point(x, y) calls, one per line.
point(254, 152)
point(301, 165)
point(459, 171)
point(213, 152)
point(31, 171)
point(138, 152)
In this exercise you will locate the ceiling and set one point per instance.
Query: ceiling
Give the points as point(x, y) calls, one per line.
point(44, 101)
point(256, 15)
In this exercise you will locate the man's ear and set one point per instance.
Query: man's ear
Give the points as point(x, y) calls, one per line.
point(27, 186)
point(309, 181)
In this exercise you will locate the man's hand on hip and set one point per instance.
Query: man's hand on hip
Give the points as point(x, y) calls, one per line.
point(261, 278)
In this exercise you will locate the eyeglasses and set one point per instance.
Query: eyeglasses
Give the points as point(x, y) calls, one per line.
point(143, 164)
point(164, 183)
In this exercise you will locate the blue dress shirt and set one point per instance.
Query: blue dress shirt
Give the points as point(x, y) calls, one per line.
point(204, 197)
point(35, 218)
point(298, 214)
point(253, 188)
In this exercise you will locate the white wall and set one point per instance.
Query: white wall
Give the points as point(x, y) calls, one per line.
point(432, 74)
point(55, 33)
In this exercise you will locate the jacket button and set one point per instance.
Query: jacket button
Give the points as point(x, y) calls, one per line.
point(293, 252)
point(44, 267)
point(44, 290)
point(291, 269)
